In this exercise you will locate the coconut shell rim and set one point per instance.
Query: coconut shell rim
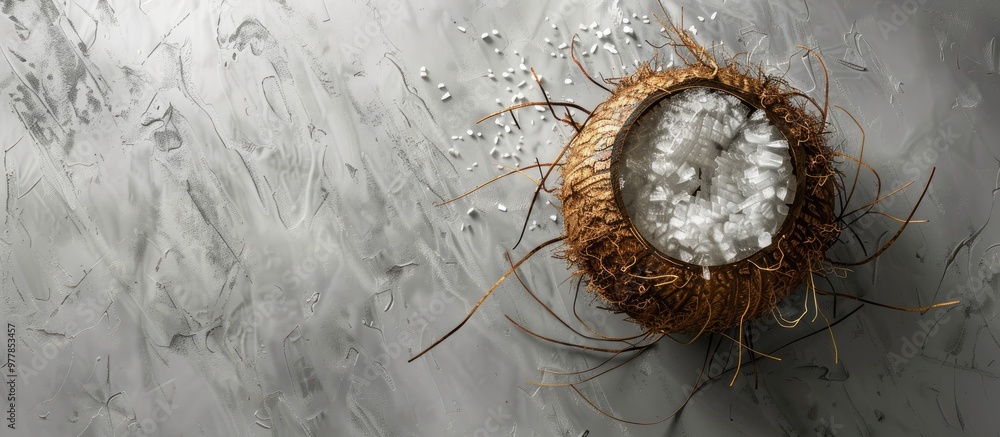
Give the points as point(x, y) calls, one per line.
point(618, 148)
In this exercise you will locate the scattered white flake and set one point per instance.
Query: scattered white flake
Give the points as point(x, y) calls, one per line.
point(548, 41)
point(497, 51)
point(625, 20)
point(480, 135)
point(523, 82)
point(505, 74)
point(485, 36)
point(523, 67)
point(593, 25)
point(454, 153)
point(583, 26)
point(441, 86)
point(498, 101)
point(501, 207)
point(554, 218)
point(563, 46)
point(471, 211)
point(628, 30)
point(423, 71)
point(461, 29)
point(496, 32)
point(700, 18)
point(607, 31)
point(493, 151)
point(593, 49)
point(713, 15)
point(554, 26)
point(469, 132)
point(693, 30)
point(475, 164)
point(611, 48)
point(568, 81)
point(506, 128)
point(446, 96)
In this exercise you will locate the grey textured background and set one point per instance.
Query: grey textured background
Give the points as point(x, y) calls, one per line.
point(219, 220)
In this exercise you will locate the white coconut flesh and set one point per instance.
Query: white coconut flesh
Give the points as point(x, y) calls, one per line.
point(705, 178)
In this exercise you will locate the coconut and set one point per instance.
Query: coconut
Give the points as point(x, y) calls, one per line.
point(659, 291)
point(698, 271)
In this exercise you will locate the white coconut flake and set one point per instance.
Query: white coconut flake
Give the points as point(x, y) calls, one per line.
point(706, 179)
point(501, 207)
point(610, 48)
point(446, 96)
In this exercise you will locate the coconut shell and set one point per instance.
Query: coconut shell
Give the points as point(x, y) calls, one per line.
point(666, 295)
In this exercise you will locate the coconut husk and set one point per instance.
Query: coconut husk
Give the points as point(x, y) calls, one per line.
point(666, 295)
